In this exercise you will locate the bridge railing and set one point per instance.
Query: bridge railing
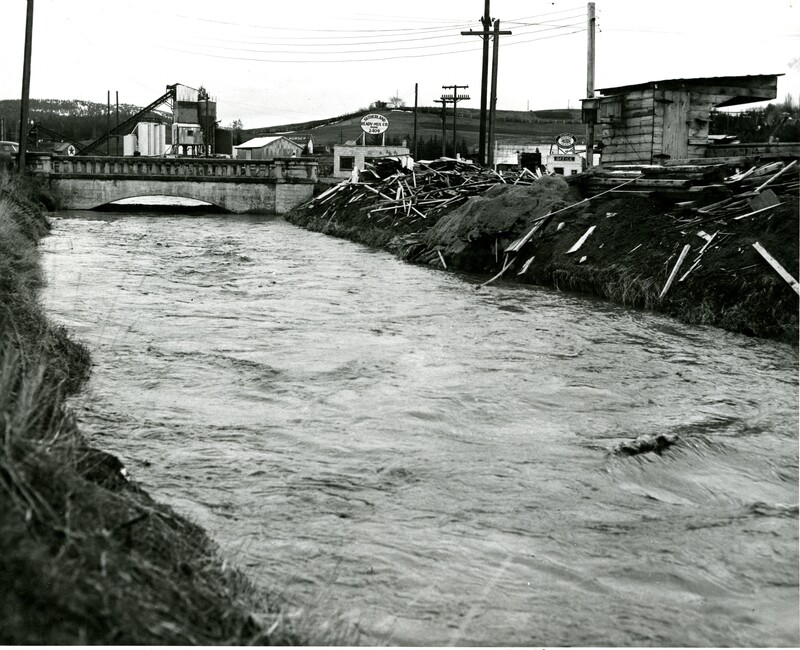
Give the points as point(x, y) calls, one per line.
point(274, 170)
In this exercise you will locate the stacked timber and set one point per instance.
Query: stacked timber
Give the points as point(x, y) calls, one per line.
point(683, 179)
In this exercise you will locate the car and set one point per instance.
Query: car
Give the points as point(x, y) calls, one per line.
point(8, 154)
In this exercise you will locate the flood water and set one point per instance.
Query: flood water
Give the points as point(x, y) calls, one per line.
point(431, 462)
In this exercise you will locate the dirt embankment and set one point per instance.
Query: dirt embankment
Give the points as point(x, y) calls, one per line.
point(86, 557)
point(628, 257)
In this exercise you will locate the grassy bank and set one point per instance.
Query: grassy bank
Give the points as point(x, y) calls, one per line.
point(86, 557)
point(628, 257)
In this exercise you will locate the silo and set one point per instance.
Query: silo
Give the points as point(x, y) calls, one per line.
point(128, 144)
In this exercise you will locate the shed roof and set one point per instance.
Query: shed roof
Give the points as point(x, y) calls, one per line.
point(748, 87)
point(257, 143)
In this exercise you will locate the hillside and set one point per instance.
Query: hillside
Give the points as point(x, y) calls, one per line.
point(75, 119)
point(536, 126)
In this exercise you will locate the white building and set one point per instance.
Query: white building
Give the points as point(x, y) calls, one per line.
point(348, 157)
point(556, 160)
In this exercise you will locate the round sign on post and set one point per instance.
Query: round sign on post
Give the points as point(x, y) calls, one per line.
point(374, 124)
point(565, 141)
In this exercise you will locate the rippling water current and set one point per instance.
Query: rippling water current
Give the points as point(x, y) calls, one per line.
point(429, 460)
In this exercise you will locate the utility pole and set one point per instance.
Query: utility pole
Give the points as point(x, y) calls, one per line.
point(590, 84)
point(455, 98)
point(416, 94)
point(26, 89)
point(116, 128)
point(486, 22)
point(442, 114)
point(493, 101)
point(108, 123)
point(485, 34)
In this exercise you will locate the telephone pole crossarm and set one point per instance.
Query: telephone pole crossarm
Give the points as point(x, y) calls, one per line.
point(454, 99)
point(486, 34)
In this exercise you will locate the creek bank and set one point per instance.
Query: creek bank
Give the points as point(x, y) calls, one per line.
point(635, 242)
point(87, 557)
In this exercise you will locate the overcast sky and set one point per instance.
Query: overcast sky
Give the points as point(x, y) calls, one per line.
point(271, 62)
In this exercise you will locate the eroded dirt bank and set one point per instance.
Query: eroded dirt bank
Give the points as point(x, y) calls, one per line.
point(635, 242)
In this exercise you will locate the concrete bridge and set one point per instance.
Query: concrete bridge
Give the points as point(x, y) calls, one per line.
point(241, 186)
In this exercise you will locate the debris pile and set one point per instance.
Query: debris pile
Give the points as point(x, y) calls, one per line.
point(395, 197)
point(750, 197)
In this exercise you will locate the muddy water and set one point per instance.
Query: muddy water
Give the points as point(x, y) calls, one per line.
point(431, 461)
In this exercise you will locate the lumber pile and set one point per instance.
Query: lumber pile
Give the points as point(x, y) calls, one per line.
point(692, 179)
point(751, 193)
point(395, 196)
point(662, 178)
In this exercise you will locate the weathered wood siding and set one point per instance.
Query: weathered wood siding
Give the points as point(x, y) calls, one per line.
point(670, 120)
point(626, 127)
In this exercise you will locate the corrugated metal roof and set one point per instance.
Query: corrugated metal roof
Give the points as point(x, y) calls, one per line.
point(257, 143)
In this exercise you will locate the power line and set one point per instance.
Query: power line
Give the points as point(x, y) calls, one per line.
point(364, 60)
point(358, 51)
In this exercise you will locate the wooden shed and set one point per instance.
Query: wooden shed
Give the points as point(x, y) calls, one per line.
point(659, 120)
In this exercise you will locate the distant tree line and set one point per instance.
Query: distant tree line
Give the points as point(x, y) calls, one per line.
point(76, 121)
point(780, 121)
point(430, 148)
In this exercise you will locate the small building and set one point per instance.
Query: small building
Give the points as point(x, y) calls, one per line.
point(549, 157)
point(187, 139)
point(659, 120)
point(267, 147)
point(58, 148)
point(348, 157)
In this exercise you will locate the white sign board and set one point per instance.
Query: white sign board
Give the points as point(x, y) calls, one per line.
point(374, 124)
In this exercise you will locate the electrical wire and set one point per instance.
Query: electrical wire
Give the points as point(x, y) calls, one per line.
point(360, 51)
point(366, 60)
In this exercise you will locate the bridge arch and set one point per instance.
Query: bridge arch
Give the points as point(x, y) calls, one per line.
point(163, 201)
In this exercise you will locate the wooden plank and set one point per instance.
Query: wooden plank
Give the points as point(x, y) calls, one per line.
point(581, 241)
point(526, 265)
point(642, 120)
point(503, 270)
point(788, 167)
point(675, 268)
point(638, 113)
point(777, 266)
point(642, 131)
point(750, 214)
point(676, 130)
point(638, 95)
point(647, 182)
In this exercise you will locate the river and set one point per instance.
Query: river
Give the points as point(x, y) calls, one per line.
point(432, 463)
